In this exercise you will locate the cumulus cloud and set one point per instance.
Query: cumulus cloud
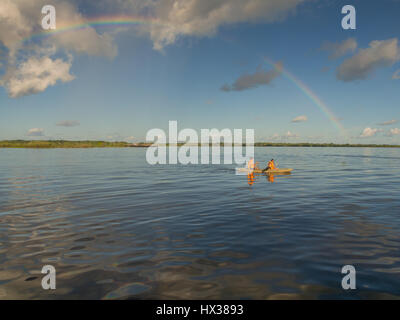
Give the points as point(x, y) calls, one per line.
point(68, 123)
point(365, 61)
point(19, 20)
point(285, 136)
point(394, 132)
point(87, 40)
point(291, 135)
point(340, 49)
point(300, 119)
point(35, 75)
point(369, 132)
point(388, 123)
point(204, 17)
point(396, 75)
point(254, 80)
point(129, 139)
point(116, 137)
point(13, 25)
point(35, 132)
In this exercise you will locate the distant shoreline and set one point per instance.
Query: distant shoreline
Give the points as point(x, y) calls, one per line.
point(53, 144)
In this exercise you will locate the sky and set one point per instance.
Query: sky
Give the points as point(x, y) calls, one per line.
point(285, 68)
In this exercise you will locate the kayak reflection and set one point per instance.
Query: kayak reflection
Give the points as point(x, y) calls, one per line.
point(272, 177)
point(252, 177)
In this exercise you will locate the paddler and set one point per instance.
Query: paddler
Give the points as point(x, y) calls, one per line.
point(251, 165)
point(270, 166)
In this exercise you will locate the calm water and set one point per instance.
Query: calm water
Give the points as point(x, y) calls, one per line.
point(115, 227)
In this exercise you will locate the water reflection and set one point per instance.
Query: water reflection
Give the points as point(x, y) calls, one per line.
point(137, 231)
point(250, 178)
point(270, 177)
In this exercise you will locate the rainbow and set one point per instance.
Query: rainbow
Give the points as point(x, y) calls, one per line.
point(97, 22)
point(129, 21)
point(311, 95)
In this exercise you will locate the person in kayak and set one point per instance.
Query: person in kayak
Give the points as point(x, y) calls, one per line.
point(270, 166)
point(251, 165)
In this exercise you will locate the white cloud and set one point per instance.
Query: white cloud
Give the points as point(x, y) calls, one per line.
point(68, 123)
point(87, 40)
point(35, 75)
point(394, 132)
point(300, 119)
point(365, 61)
point(285, 136)
point(116, 137)
point(204, 17)
point(339, 49)
point(396, 75)
point(19, 20)
point(369, 132)
point(129, 139)
point(291, 135)
point(13, 25)
point(388, 123)
point(254, 80)
point(35, 132)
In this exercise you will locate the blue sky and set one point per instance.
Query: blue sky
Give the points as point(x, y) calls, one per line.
point(152, 75)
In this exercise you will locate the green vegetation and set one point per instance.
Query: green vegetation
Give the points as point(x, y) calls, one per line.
point(334, 145)
point(104, 144)
point(61, 144)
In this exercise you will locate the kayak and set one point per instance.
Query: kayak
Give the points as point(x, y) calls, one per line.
point(276, 171)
